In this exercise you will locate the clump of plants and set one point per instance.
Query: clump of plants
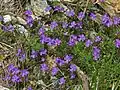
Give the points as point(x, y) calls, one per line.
point(71, 48)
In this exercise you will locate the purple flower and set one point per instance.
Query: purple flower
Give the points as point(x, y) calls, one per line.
point(42, 59)
point(59, 61)
point(29, 88)
point(79, 25)
point(72, 76)
point(28, 12)
point(73, 40)
point(106, 20)
point(81, 37)
point(44, 67)
point(11, 67)
point(29, 20)
point(4, 28)
point(22, 57)
point(48, 8)
point(117, 43)
point(116, 20)
point(58, 8)
point(72, 24)
point(81, 15)
point(96, 53)
point(93, 16)
point(98, 39)
point(68, 58)
point(74, 37)
point(16, 79)
point(1, 18)
point(10, 28)
point(51, 42)
point(43, 51)
point(53, 25)
point(70, 13)
point(57, 41)
point(19, 52)
point(73, 68)
point(54, 71)
point(41, 31)
point(33, 54)
point(62, 81)
point(88, 43)
point(43, 39)
point(64, 25)
point(24, 73)
point(15, 70)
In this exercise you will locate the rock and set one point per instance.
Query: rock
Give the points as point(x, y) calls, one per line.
point(7, 18)
point(22, 30)
point(21, 21)
point(38, 7)
point(3, 88)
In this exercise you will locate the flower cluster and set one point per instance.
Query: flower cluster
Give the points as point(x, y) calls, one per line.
point(29, 18)
point(8, 28)
point(15, 75)
point(49, 41)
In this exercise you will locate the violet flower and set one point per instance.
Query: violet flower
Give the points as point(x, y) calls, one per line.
point(44, 67)
point(48, 8)
point(70, 13)
point(59, 61)
point(29, 20)
point(88, 43)
point(41, 31)
point(43, 51)
point(64, 24)
point(73, 68)
point(62, 81)
point(81, 37)
point(28, 12)
point(22, 57)
point(29, 88)
point(24, 73)
point(54, 71)
point(15, 79)
point(96, 53)
point(68, 58)
point(58, 8)
point(106, 20)
point(72, 24)
point(33, 54)
point(1, 18)
point(72, 75)
point(98, 39)
point(81, 15)
point(93, 16)
point(53, 25)
point(116, 20)
point(117, 43)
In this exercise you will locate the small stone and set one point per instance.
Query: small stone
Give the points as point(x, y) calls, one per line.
point(21, 21)
point(7, 18)
point(22, 30)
